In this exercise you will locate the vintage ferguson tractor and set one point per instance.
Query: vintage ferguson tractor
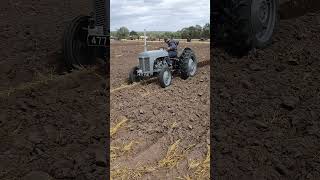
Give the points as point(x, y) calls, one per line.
point(156, 63)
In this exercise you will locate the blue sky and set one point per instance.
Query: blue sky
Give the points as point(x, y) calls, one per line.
point(158, 15)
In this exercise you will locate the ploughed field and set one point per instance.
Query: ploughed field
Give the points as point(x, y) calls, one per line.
point(266, 106)
point(158, 133)
point(52, 123)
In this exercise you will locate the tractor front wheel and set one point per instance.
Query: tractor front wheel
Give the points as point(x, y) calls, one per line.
point(165, 77)
point(133, 76)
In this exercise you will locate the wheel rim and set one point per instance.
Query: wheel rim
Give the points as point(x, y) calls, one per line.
point(263, 14)
point(192, 67)
point(167, 78)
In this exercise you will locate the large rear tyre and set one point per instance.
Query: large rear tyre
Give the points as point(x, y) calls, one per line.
point(242, 25)
point(76, 51)
point(188, 63)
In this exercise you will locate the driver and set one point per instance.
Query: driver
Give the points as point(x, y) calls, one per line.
point(172, 47)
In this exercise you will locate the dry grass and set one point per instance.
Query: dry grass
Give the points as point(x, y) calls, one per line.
point(129, 173)
point(120, 124)
point(174, 125)
point(186, 177)
point(123, 86)
point(125, 149)
point(193, 164)
point(171, 160)
point(126, 86)
point(114, 152)
point(203, 170)
point(172, 157)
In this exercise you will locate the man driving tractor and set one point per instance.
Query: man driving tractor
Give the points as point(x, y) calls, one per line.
point(172, 48)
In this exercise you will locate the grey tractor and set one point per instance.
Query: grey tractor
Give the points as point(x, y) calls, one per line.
point(156, 63)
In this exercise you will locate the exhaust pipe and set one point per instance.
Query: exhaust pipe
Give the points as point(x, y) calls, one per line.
point(145, 41)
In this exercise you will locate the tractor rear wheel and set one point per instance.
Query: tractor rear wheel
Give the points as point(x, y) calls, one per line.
point(242, 25)
point(75, 48)
point(188, 63)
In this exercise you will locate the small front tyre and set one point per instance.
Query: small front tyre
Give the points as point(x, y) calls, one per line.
point(165, 77)
point(133, 76)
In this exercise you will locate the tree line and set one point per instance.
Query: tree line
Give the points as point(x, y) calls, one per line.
point(191, 32)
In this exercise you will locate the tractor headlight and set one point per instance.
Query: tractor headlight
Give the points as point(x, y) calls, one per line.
point(139, 72)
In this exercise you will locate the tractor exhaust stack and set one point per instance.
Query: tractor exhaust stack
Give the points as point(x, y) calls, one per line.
point(145, 41)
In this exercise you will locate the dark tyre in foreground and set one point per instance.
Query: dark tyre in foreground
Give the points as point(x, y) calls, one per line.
point(75, 48)
point(244, 24)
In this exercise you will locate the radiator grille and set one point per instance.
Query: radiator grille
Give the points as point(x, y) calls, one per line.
point(141, 64)
point(102, 14)
point(146, 64)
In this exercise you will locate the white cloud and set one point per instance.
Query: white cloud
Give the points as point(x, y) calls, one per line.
point(158, 15)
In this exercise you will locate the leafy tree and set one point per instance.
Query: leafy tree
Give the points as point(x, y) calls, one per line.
point(198, 32)
point(192, 32)
point(123, 32)
point(206, 31)
point(133, 33)
point(177, 35)
point(184, 33)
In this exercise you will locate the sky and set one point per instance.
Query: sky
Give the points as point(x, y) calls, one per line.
point(158, 15)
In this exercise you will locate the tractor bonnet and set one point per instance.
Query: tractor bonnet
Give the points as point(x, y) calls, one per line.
point(154, 54)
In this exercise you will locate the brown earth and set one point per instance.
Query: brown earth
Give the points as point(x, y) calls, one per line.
point(52, 124)
point(158, 133)
point(31, 37)
point(265, 123)
point(56, 126)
